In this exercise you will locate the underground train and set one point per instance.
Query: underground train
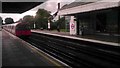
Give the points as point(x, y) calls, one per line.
point(19, 29)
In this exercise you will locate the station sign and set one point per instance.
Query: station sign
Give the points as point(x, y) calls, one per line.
point(72, 26)
point(73, 29)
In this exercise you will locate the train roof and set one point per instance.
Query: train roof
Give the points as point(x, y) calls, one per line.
point(15, 24)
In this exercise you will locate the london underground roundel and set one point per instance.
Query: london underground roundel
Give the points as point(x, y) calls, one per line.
point(72, 26)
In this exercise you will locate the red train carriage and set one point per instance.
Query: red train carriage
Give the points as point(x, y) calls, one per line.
point(23, 29)
point(18, 29)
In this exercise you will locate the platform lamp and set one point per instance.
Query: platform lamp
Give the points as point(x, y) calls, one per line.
point(58, 27)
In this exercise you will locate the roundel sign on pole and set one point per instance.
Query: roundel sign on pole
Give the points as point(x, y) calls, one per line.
point(72, 26)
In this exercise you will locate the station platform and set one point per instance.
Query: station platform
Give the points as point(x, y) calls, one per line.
point(16, 52)
point(0, 48)
point(103, 39)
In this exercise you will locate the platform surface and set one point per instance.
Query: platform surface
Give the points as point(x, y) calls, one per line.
point(0, 48)
point(15, 54)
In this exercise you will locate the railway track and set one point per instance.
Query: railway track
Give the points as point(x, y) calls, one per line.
point(76, 54)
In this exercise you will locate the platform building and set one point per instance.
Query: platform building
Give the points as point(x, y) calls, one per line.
point(100, 17)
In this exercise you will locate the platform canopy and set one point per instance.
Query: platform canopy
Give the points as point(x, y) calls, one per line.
point(98, 5)
point(19, 6)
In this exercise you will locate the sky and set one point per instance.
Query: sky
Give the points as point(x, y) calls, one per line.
point(50, 5)
point(15, 16)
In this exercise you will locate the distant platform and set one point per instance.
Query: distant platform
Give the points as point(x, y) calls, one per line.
point(84, 38)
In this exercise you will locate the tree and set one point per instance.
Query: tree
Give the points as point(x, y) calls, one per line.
point(41, 18)
point(28, 19)
point(20, 20)
point(9, 21)
point(61, 22)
